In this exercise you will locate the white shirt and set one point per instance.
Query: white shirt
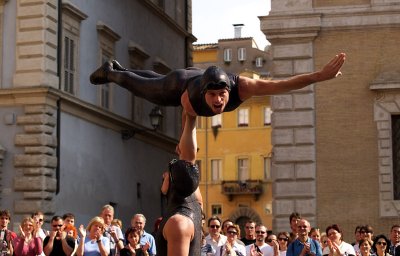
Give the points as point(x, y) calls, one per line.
point(345, 249)
point(236, 247)
point(266, 249)
point(215, 244)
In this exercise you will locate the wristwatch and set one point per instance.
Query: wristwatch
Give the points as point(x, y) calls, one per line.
point(98, 241)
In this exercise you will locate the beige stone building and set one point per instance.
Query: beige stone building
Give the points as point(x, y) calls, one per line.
point(67, 145)
point(335, 144)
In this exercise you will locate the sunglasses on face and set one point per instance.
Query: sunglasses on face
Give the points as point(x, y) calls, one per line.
point(381, 243)
point(54, 226)
point(283, 239)
point(214, 226)
point(231, 232)
point(260, 232)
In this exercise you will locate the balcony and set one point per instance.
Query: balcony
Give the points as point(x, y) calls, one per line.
point(248, 187)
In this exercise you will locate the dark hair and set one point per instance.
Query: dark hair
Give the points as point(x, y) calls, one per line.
point(312, 230)
point(367, 228)
point(364, 240)
point(335, 227)
point(5, 213)
point(56, 218)
point(376, 239)
point(131, 230)
point(225, 221)
point(184, 177)
point(213, 218)
point(294, 215)
point(357, 229)
point(68, 215)
point(394, 226)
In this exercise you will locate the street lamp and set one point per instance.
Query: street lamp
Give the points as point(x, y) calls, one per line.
point(155, 121)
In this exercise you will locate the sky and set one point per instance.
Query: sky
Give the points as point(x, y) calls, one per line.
point(214, 19)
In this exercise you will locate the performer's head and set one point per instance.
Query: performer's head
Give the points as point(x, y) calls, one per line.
point(216, 87)
point(182, 179)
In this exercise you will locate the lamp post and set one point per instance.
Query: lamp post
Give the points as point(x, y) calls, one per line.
point(155, 121)
point(155, 117)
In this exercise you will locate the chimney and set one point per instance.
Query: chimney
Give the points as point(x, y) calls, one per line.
point(238, 30)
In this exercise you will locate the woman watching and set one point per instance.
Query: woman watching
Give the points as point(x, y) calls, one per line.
point(133, 247)
point(283, 238)
point(380, 246)
point(27, 243)
point(365, 247)
point(336, 245)
point(94, 243)
point(232, 247)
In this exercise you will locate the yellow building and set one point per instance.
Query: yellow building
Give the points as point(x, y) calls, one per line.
point(235, 147)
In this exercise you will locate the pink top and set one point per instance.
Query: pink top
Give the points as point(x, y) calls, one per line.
point(33, 248)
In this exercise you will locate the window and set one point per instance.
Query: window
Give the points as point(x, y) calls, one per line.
point(71, 21)
point(107, 38)
point(228, 55)
point(243, 117)
point(216, 209)
point(216, 121)
point(267, 168)
point(267, 116)
point(105, 91)
point(259, 62)
point(199, 122)
point(243, 169)
point(216, 169)
point(69, 65)
point(396, 156)
point(241, 54)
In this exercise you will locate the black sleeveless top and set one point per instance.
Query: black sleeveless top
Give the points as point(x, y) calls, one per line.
point(190, 208)
point(198, 102)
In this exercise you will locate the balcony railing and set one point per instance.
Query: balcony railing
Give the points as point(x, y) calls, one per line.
point(248, 187)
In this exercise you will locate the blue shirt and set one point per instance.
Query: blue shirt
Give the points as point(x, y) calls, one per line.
point(146, 237)
point(295, 248)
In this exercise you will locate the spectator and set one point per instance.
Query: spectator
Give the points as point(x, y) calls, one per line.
point(271, 239)
point(336, 245)
point(303, 245)
point(133, 246)
point(72, 232)
point(113, 232)
point(394, 239)
point(6, 235)
point(314, 234)
point(367, 232)
point(69, 219)
point(38, 217)
point(215, 238)
point(381, 246)
point(357, 236)
point(57, 243)
point(293, 219)
point(206, 249)
point(250, 233)
point(225, 224)
point(231, 247)
point(260, 247)
point(27, 243)
point(94, 243)
point(324, 240)
point(138, 221)
point(365, 247)
point(283, 239)
point(117, 223)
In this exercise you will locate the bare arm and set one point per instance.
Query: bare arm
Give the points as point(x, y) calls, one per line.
point(188, 143)
point(257, 87)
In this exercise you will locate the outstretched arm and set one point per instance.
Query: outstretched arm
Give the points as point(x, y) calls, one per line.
point(188, 143)
point(256, 87)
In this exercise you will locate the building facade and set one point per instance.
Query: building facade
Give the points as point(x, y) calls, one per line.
point(234, 147)
point(65, 144)
point(335, 146)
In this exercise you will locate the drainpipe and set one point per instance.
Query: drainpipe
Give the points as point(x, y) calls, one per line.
point(59, 63)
